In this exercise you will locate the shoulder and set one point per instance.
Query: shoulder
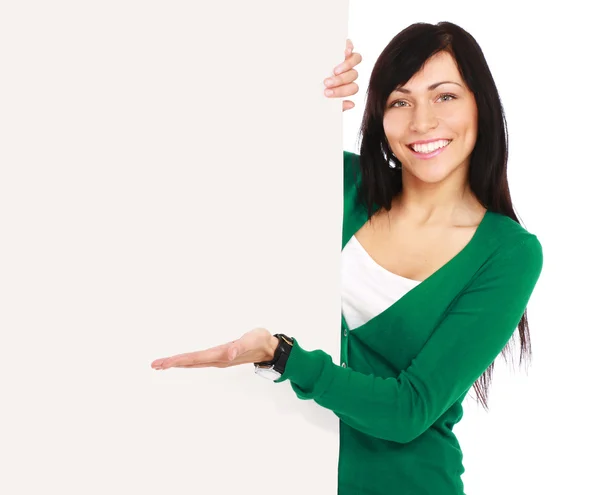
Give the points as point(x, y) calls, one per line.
point(508, 232)
point(351, 169)
point(513, 246)
point(350, 157)
point(352, 180)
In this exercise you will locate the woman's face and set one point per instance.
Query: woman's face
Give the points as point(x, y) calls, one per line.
point(431, 122)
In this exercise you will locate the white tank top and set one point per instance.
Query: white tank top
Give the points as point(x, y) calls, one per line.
point(367, 288)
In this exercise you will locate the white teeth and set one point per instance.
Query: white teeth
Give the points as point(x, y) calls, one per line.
point(429, 147)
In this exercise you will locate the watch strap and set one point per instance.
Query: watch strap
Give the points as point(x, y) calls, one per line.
point(281, 355)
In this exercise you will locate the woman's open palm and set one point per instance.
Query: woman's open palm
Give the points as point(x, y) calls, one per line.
point(254, 346)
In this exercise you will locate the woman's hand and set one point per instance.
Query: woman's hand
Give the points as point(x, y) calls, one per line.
point(254, 346)
point(341, 83)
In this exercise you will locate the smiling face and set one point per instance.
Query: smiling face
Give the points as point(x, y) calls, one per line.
point(431, 123)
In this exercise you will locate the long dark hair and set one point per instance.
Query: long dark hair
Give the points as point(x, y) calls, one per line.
point(380, 183)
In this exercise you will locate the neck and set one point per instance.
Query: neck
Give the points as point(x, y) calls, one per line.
point(432, 203)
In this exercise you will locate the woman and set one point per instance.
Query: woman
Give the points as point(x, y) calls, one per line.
point(436, 269)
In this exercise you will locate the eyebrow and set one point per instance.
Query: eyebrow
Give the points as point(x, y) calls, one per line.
point(400, 89)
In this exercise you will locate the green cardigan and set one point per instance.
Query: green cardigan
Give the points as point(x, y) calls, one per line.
point(405, 372)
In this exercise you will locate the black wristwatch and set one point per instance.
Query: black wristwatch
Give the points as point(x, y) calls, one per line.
point(273, 369)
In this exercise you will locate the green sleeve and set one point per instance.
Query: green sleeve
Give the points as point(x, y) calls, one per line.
point(476, 328)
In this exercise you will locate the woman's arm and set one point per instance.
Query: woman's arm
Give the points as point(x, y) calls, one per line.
point(476, 329)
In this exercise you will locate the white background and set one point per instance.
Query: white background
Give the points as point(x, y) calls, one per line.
point(169, 180)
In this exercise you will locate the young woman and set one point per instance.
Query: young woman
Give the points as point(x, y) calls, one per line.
point(436, 270)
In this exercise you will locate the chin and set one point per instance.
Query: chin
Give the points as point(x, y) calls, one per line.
point(433, 173)
point(430, 175)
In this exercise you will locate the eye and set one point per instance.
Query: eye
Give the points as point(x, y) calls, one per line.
point(394, 104)
point(447, 97)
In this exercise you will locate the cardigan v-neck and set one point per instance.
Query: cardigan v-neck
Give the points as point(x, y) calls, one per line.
point(465, 251)
point(404, 373)
point(367, 288)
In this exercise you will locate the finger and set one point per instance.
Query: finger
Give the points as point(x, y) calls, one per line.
point(232, 353)
point(345, 78)
point(218, 353)
point(157, 363)
point(206, 365)
point(349, 48)
point(342, 91)
point(168, 362)
point(347, 105)
point(352, 61)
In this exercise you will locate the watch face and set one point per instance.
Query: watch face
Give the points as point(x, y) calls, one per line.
point(268, 373)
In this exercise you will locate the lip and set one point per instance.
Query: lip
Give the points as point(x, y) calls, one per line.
point(425, 156)
point(429, 141)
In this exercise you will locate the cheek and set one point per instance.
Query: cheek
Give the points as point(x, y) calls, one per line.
point(392, 127)
point(465, 125)
point(470, 122)
point(471, 132)
point(387, 128)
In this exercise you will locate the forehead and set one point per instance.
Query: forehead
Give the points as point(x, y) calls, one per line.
point(440, 67)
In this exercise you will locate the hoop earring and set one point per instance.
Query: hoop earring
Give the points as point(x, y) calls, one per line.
point(389, 161)
point(393, 165)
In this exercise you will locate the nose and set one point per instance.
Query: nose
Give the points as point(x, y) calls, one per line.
point(423, 119)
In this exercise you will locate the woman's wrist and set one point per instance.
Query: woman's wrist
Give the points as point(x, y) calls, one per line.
point(273, 343)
